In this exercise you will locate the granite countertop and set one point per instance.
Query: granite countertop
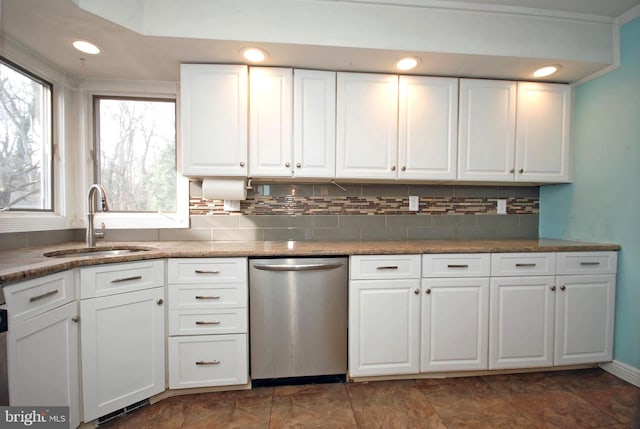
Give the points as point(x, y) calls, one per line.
point(21, 264)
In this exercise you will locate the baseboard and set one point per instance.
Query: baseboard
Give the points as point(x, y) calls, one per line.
point(623, 371)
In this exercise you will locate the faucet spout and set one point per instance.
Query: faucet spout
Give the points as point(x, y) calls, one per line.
point(91, 210)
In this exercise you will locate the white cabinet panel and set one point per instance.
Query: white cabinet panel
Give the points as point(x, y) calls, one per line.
point(213, 118)
point(270, 121)
point(585, 308)
point(542, 132)
point(456, 265)
point(521, 322)
point(314, 123)
point(523, 264)
point(110, 279)
point(42, 355)
point(384, 327)
point(367, 126)
point(369, 267)
point(207, 360)
point(427, 128)
point(487, 126)
point(123, 349)
point(587, 262)
point(455, 324)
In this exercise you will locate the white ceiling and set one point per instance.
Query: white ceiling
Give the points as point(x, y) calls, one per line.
point(47, 28)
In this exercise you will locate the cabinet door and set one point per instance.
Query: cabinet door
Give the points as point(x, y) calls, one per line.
point(213, 118)
point(43, 361)
point(367, 126)
point(584, 319)
point(123, 350)
point(270, 121)
point(427, 128)
point(455, 324)
point(487, 127)
point(521, 322)
point(542, 132)
point(314, 123)
point(383, 327)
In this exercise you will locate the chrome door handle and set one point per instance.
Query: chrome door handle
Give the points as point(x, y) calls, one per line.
point(207, 271)
point(207, 362)
point(458, 266)
point(126, 279)
point(207, 297)
point(202, 322)
point(387, 267)
point(44, 295)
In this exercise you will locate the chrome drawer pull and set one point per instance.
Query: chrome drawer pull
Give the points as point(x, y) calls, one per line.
point(214, 322)
point(207, 362)
point(44, 295)
point(525, 265)
point(207, 272)
point(387, 267)
point(207, 297)
point(589, 263)
point(457, 266)
point(126, 279)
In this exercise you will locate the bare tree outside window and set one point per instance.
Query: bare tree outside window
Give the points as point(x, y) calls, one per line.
point(25, 141)
point(136, 148)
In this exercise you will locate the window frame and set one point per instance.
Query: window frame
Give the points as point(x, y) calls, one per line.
point(134, 90)
point(51, 165)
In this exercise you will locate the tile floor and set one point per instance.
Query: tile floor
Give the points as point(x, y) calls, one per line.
point(588, 398)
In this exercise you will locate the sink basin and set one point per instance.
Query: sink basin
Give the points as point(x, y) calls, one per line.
point(96, 251)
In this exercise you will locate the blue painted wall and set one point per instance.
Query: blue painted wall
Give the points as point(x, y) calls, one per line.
point(603, 203)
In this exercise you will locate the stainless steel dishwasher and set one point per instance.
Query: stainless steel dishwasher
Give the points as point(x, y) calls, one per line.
point(298, 320)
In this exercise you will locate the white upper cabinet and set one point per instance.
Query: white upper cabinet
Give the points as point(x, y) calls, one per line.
point(487, 126)
point(427, 128)
point(367, 126)
point(314, 123)
point(512, 131)
point(213, 118)
point(270, 121)
point(542, 132)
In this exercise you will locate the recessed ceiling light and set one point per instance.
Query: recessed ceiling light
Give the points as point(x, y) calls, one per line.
point(86, 47)
point(407, 63)
point(254, 55)
point(546, 71)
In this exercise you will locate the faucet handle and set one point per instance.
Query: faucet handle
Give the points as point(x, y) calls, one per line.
point(100, 234)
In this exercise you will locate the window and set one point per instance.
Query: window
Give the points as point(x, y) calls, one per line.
point(26, 167)
point(136, 153)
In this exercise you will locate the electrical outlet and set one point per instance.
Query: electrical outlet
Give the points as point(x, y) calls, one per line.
point(501, 207)
point(414, 203)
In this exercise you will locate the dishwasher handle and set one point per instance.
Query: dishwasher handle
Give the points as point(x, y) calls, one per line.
point(297, 267)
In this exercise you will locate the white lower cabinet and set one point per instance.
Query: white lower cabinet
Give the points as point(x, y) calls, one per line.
point(208, 319)
point(123, 337)
point(455, 312)
point(585, 308)
point(383, 327)
point(384, 315)
point(521, 321)
point(207, 360)
point(42, 344)
point(455, 324)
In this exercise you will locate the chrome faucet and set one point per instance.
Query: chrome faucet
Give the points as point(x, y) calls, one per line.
point(91, 207)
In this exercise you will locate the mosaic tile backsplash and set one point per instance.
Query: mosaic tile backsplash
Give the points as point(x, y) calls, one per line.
point(303, 200)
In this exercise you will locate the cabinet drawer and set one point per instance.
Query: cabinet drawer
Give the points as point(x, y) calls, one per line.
point(456, 265)
point(193, 297)
point(207, 360)
point(200, 322)
point(104, 280)
point(587, 262)
point(384, 267)
point(208, 270)
point(523, 264)
point(32, 297)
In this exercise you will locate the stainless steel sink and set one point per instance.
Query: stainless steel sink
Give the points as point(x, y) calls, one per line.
point(96, 251)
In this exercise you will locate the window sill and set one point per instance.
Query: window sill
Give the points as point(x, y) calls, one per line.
point(31, 221)
point(142, 220)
